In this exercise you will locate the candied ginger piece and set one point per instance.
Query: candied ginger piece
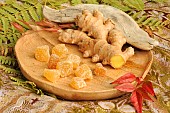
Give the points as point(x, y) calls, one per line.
point(75, 59)
point(84, 72)
point(51, 74)
point(77, 83)
point(66, 68)
point(100, 70)
point(60, 50)
point(52, 63)
point(42, 53)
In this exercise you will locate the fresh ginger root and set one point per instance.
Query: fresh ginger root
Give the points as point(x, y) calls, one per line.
point(117, 40)
point(94, 24)
point(79, 38)
point(99, 50)
point(107, 43)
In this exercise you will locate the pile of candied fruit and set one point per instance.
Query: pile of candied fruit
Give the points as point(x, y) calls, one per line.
point(62, 64)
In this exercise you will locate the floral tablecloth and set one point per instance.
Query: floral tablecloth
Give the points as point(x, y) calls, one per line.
point(16, 99)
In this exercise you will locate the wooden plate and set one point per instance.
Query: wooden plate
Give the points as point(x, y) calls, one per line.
point(97, 88)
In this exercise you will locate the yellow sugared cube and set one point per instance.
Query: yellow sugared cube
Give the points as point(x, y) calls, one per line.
point(84, 72)
point(75, 59)
point(51, 74)
point(100, 70)
point(60, 50)
point(65, 67)
point(52, 63)
point(42, 53)
point(77, 83)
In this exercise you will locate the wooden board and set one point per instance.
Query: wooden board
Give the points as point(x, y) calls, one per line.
point(98, 88)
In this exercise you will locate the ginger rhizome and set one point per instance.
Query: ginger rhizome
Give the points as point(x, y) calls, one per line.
point(106, 44)
point(99, 49)
point(94, 24)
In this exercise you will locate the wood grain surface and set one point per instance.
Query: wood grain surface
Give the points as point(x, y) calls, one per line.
point(97, 88)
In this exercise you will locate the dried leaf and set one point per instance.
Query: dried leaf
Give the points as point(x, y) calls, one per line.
point(127, 78)
point(45, 24)
point(127, 87)
point(18, 27)
point(144, 94)
point(25, 23)
point(147, 86)
point(67, 26)
point(51, 29)
point(136, 99)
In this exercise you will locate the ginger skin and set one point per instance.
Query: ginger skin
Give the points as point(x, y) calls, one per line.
point(99, 50)
point(94, 24)
point(106, 46)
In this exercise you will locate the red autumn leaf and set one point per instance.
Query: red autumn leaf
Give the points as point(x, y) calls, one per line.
point(139, 80)
point(18, 27)
point(136, 99)
point(147, 86)
point(51, 29)
point(127, 87)
point(127, 78)
point(144, 94)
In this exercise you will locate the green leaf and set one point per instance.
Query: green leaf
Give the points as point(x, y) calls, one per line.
point(137, 4)
point(142, 19)
point(26, 6)
point(33, 14)
point(19, 22)
point(17, 6)
point(5, 24)
point(12, 27)
point(9, 70)
point(25, 15)
point(75, 2)
point(8, 60)
point(117, 4)
point(92, 2)
point(147, 21)
point(18, 16)
point(27, 84)
point(3, 12)
point(3, 38)
point(31, 2)
point(39, 11)
point(57, 4)
point(9, 9)
point(161, 1)
point(10, 1)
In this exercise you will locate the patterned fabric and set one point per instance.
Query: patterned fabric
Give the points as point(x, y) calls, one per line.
point(16, 99)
